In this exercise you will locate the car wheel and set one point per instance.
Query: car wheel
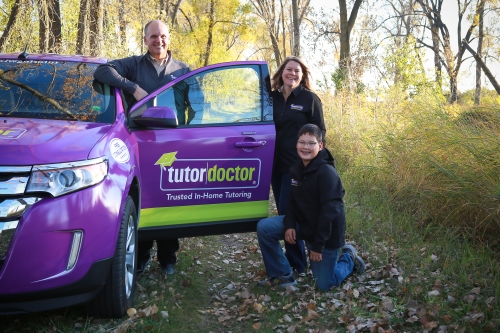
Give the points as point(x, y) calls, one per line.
point(117, 295)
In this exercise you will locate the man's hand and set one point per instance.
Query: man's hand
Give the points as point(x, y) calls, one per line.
point(315, 256)
point(290, 235)
point(139, 93)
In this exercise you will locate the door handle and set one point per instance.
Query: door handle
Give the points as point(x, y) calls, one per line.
point(250, 144)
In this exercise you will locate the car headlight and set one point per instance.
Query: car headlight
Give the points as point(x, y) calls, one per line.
point(62, 178)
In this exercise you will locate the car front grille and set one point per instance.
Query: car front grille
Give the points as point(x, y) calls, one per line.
point(13, 203)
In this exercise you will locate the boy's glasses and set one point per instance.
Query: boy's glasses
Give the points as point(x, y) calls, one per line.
point(306, 144)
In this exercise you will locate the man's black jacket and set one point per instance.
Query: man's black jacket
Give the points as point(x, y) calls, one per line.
point(130, 72)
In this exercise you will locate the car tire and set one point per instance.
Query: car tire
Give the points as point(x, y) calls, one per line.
point(117, 294)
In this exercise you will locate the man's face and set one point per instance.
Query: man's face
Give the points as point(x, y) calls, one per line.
point(308, 147)
point(157, 40)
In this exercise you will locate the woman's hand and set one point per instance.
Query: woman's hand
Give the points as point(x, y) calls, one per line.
point(290, 236)
point(315, 256)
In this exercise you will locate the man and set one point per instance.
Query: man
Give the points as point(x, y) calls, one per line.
point(316, 215)
point(137, 76)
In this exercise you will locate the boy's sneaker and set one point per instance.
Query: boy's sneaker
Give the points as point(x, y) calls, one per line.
point(169, 269)
point(359, 264)
point(281, 282)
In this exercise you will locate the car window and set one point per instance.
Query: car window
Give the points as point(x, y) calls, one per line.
point(54, 90)
point(222, 95)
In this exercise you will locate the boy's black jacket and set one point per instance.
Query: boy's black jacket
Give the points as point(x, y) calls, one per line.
point(316, 203)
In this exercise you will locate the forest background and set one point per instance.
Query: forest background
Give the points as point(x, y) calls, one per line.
point(411, 102)
point(388, 72)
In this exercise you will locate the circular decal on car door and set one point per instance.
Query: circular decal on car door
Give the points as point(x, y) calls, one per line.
point(119, 151)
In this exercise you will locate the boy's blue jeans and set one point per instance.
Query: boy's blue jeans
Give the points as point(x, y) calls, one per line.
point(329, 272)
point(295, 253)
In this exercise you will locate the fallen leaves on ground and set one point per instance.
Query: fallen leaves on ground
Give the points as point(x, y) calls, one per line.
point(382, 299)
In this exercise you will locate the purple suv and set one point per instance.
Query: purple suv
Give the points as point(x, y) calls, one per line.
point(83, 176)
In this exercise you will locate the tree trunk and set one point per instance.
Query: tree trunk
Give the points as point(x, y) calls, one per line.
point(485, 68)
point(296, 29)
point(346, 25)
point(267, 11)
point(173, 14)
point(438, 67)
point(344, 36)
point(43, 32)
point(477, 92)
point(451, 62)
point(96, 27)
point(211, 24)
point(10, 25)
point(276, 48)
point(55, 28)
point(453, 89)
point(122, 33)
point(283, 30)
point(164, 5)
point(82, 27)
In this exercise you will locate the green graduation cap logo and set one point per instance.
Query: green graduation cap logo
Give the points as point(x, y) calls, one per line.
point(166, 159)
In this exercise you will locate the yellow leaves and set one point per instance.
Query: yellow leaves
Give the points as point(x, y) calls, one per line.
point(223, 318)
point(427, 324)
point(244, 294)
point(388, 305)
point(490, 303)
point(134, 315)
point(258, 307)
point(242, 310)
point(412, 319)
point(472, 296)
point(311, 315)
point(311, 305)
point(148, 311)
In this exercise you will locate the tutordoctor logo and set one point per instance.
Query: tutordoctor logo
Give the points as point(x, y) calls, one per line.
point(207, 174)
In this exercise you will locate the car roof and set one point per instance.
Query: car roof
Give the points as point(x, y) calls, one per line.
point(53, 57)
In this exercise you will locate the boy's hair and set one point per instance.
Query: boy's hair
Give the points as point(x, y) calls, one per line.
point(311, 129)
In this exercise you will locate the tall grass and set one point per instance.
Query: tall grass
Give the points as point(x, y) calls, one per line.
point(439, 163)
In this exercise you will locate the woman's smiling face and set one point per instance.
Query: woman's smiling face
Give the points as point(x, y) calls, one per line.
point(292, 74)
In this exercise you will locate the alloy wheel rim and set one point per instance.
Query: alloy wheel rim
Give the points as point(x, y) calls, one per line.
point(130, 256)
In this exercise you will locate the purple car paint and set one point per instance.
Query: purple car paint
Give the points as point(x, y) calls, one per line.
point(82, 180)
point(43, 141)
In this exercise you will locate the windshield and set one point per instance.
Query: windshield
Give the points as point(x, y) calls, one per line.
point(54, 90)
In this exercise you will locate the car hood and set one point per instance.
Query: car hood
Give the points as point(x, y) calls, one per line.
point(41, 141)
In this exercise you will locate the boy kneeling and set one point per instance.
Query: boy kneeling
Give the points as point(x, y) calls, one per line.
point(315, 214)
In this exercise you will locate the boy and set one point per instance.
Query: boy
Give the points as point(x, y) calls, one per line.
point(315, 214)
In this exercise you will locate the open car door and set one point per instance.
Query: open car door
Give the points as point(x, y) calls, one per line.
point(206, 144)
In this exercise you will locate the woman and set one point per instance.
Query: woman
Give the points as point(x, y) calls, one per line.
point(294, 105)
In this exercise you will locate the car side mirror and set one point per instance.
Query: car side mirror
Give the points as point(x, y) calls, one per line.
point(157, 116)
